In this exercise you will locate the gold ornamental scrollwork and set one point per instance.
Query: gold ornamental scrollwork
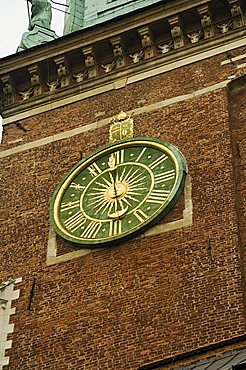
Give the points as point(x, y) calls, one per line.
point(121, 127)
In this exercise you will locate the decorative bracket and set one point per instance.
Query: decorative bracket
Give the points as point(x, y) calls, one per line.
point(62, 71)
point(90, 62)
point(35, 79)
point(8, 90)
point(177, 34)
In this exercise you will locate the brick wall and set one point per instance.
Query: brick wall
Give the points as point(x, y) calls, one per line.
point(238, 133)
point(152, 297)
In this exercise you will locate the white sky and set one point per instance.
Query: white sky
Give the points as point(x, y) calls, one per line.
point(14, 22)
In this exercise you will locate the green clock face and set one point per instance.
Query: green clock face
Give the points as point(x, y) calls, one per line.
point(118, 192)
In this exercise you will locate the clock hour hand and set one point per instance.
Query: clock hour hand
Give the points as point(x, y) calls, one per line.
point(118, 213)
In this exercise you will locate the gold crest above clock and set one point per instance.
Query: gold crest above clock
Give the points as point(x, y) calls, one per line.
point(121, 127)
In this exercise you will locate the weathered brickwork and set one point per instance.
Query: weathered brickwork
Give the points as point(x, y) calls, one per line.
point(150, 298)
point(238, 132)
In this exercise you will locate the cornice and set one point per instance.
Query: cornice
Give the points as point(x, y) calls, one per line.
point(113, 51)
point(93, 34)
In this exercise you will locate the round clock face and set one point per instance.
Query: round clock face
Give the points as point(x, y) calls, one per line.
point(118, 192)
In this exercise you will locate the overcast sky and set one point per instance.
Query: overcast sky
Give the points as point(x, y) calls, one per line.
point(14, 22)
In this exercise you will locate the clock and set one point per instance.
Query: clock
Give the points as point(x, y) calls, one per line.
point(117, 192)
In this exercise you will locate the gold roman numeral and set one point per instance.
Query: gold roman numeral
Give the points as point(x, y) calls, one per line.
point(66, 206)
point(115, 227)
point(76, 186)
point(140, 215)
point(158, 196)
point(119, 156)
point(75, 221)
point(91, 230)
point(165, 176)
point(140, 155)
point(158, 161)
point(94, 170)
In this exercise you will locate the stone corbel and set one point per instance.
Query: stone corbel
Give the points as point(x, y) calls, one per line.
point(225, 26)
point(62, 71)
point(206, 21)
point(237, 15)
point(176, 32)
point(81, 76)
point(9, 91)
point(165, 48)
point(35, 79)
point(195, 37)
point(108, 67)
point(147, 43)
point(137, 56)
point(53, 85)
point(90, 63)
point(27, 94)
point(120, 60)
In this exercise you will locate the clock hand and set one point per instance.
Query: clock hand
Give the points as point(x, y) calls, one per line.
point(114, 178)
point(113, 173)
point(118, 213)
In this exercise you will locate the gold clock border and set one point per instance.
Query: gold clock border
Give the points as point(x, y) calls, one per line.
point(94, 157)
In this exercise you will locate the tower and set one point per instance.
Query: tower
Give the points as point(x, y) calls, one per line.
point(173, 295)
point(74, 20)
point(85, 13)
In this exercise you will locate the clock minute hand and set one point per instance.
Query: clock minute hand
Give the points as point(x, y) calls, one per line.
point(113, 172)
point(114, 178)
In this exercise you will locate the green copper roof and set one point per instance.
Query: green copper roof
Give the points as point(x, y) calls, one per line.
point(86, 13)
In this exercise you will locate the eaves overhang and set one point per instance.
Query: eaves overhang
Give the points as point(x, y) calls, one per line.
point(144, 43)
